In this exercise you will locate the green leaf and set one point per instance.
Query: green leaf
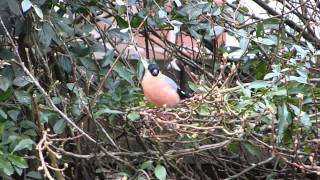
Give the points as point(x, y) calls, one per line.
point(38, 11)
point(4, 83)
point(2, 127)
point(22, 81)
point(204, 110)
point(234, 146)
point(258, 84)
point(65, 63)
point(59, 126)
point(6, 166)
point(18, 170)
point(14, 7)
point(13, 114)
point(121, 22)
point(283, 121)
point(265, 41)
point(160, 172)
point(46, 34)
point(5, 95)
point(18, 161)
point(24, 144)
point(252, 150)
point(106, 110)
point(26, 5)
point(136, 21)
point(23, 97)
point(260, 30)
point(124, 72)
point(133, 116)
point(305, 120)
point(89, 64)
point(34, 174)
point(3, 114)
point(107, 60)
point(147, 165)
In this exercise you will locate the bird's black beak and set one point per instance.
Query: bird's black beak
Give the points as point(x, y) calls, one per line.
point(155, 72)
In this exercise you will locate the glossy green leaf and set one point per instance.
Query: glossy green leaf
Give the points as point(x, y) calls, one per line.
point(23, 97)
point(6, 166)
point(3, 114)
point(124, 72)
point(18, 161)
point(59, 126)
point(46, 34)
point(251, 149)
point(106, 111)
point(147, 165)
point(34, 174)
point(14, 7)
point(13, 114)
point(4, 83)
point(2, 127)
point(22, 81)
point(136, 21)
point(160, 172)
point(283, 121)
point(24, 144)
point(133, 116)
point(204, 110)
point(38, 11)
point(65, 63)
point(121, 22)
point(258, 84)
point(26, 5)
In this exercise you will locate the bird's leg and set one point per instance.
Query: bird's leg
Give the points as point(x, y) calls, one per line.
point(164, 108)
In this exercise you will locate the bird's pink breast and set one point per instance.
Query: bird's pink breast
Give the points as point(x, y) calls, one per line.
point(158, 92)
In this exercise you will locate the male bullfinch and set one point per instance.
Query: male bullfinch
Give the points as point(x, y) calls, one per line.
point(159, 89)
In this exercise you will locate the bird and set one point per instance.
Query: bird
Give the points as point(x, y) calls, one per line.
point(159, 89)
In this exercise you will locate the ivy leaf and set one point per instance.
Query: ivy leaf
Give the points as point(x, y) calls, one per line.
point(147, 165)
point(6, 166)
point(24, 144)
point(133, 116)
point(18, 161)
point(204, 110)
point(26, 5)
point(265, 41)
point(22, 81)
point(258, 84)
point(65, 63)
point(14, 7)
point(59, 126)
point(38, 11)
point(106, 111)
point(136, 21)
point(121, 22)
point(4, 83)
point(34, 174)
point(13, 114)
point(283, 121)
point(253, 150)
point(124, 72)
point(23, 97)
point(160, 172)
point(3, 114)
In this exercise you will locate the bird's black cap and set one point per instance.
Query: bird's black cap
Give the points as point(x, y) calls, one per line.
point(154, 69)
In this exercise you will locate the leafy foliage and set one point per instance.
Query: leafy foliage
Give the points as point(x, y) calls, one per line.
point(260, 103)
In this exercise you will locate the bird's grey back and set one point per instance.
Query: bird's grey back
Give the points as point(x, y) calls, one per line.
point(171, 83)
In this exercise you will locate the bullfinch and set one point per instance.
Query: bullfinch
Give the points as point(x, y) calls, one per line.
point(159, 89)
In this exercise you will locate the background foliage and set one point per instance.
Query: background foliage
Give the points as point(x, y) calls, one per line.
point(66, 113)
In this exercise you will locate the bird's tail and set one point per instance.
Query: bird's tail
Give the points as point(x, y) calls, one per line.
point(183, 94)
